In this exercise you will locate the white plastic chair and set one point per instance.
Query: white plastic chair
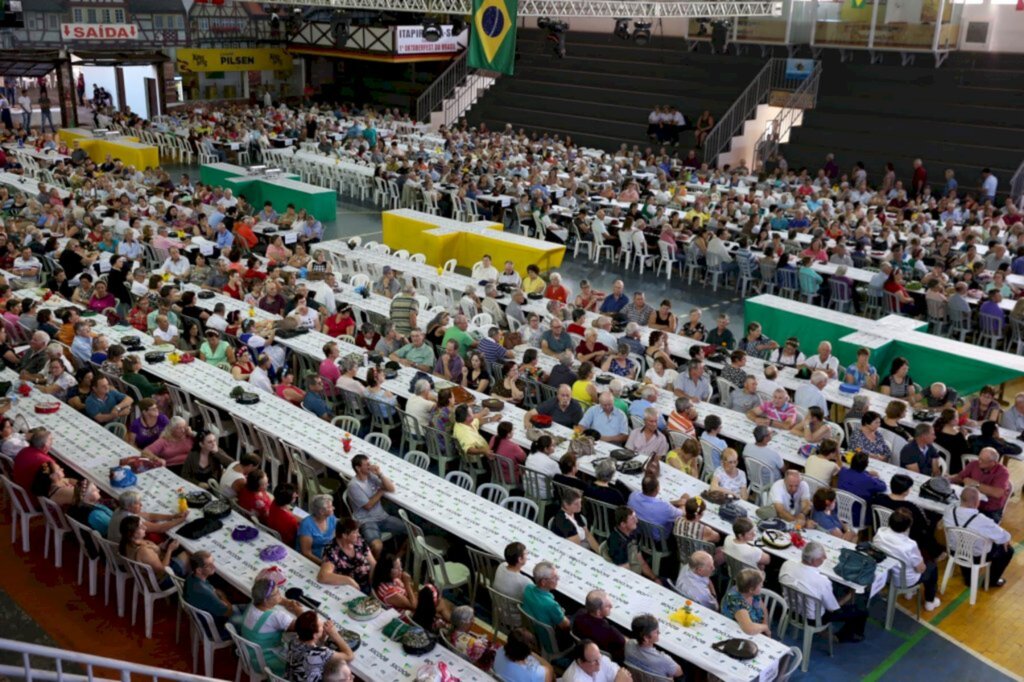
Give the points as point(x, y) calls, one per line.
point(86, 542)
point(205, 634)
point(523, 507)
point(417, 458)
point(379, 440)
point(148, 587)
point(116, 566)
point(461, 479)
point(21, 509)
point(250, 657)
point(845, 502)
point(960, 543)
point(57, 529)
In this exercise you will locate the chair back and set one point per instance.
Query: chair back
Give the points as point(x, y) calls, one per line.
point(523, 507)
point(536, 486)
point(774, 606)
point(601, 516)
point(492, 493)
point(436, 564)
point(461, 479)
point(484, 565)
point(108, 549)
point(544, 633)
point(85, 538)
point(250, 654)
point(506, 612)
point(144, 576)
point(760, 474)
point(640, 675)
point(652, 538)
point(851, 509)
point(419, 459)
point(19, 496)
point(503, 471)
point(800, 604)
point(379, 440)
point(734, 566)
point(880, 516)
point(839, 290)
point(687, 546)
point(54, 515)
point(347, 423)
point(961, 543)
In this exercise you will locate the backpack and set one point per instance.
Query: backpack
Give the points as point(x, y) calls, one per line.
point(856, 567)
point(938, 489)
point(732, 511)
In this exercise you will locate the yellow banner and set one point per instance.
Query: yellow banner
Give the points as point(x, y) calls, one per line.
point(242, 59)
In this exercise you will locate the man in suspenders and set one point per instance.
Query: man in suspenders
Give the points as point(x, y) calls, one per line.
point(967, 516)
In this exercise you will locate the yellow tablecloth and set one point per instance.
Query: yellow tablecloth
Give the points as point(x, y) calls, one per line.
point(128, 149)
point(440, 240)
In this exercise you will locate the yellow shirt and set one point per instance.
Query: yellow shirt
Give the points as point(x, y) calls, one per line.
point(580, 393)
point(534, 285)
point(674, 459)
point(468, 437)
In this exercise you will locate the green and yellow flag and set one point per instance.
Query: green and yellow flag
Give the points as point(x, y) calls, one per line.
point(492, 39)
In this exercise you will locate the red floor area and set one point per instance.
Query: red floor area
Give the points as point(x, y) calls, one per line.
point(82, 623)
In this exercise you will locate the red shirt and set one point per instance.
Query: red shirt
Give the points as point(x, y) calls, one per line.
point(259, 502)
point(284, 522)
point(27, 464)
point(997, 477)
point(920, 178)
point(556, 292)
point(335, 327)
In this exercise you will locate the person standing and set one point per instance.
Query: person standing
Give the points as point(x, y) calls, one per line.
point(45, 116)
point(25, 103)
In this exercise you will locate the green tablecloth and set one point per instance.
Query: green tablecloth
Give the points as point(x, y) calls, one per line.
point(280, 190)
point(217, 173)
point(931, 358)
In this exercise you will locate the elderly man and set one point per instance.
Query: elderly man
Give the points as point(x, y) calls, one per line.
point(995, 539)
point(805, 576)
point(761, 451)
point(457, 332)
point(175, 264)
point(746, 398)
point(590, 665)
point(606, 420)
point(777, 412)
point(721, 336)
point(389, 342)
point(631, 338)
point(648, 396)
point(315, 400)
point(388, 285)
point(27, 266)
point(509, 277)
point(450, 365)
point(556, 340)
point(539, 603)
point(791, 497)
point(824, 361)
point(417, 353)
point(404, 310)
point(130, 504)
point(694, 383)
point(809, 394)
point(490, 346)
point(920, 455)
point(422, 403)
point(562, 372)
point(938, 397)
point(653, 510)
point(591, 622)
point(165, 332)
point(490, 305)
point(603, 326)
point(365, 492)
point(648, 440)
point(1013, 418)
point(683, 418)
point(81, 346)
point(485, 271)
point(990, 478)
point(617, 300)
point(514, 310)
point(200, 594)
point(562, 409)
point(105, 404)
point(640, 651)
point(694, 580)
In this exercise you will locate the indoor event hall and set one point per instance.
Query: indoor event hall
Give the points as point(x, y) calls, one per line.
point(516, 340)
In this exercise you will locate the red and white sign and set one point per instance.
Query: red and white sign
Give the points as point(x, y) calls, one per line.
point(409, 40)
point(99, 32)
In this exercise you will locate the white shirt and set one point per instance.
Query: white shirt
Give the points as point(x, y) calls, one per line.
point(510, 583)
point(974, 520)
point(732, 485)
point(606, 673)
point(217, 322)
point(742, 551)
point(809, 395)
point(165, 336)
point(26, 105)
point(666, 380)
point(485, 273)
point(808, 580)
point(765, 454)
point(178, 268)
point(989, 185)
point(767, 386)
point(900, 546)
point(538, 461)
point(794, 503)
point(261, 380)
point(831, 363)
point(228, 478)
point(419, 408)
point(26, 263)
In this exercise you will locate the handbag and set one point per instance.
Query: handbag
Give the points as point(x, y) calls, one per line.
point(417, 641)
point(938, 489)
point(199, 528)
point(856, 567)
point(415, 379)
point(742, 649)
point(511, 340)
point(873, 552)
point(217, 509)
point(629, 467)
point(154, 357)
point(732, 511)
point(771, 524)
point(718, 497)
point(581, 446)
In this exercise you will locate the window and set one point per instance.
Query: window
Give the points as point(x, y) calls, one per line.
point(90, 16)
point(106, 16)
point(118, 16)
point(158, 21)
point(53, 21)
point(77, 14)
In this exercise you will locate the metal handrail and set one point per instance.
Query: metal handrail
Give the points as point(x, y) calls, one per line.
point(772, 77)
point(437, 92)
point(800, 100)
point(60, 657)
point(1017, 184)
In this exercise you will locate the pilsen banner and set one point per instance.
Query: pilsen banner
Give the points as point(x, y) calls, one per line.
point(255, 59)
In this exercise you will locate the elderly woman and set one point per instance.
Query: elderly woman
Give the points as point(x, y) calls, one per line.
point(478, 648)
point(686, 457)
point(58, 380)
point(173, 445)
point(317, 529)
point(984, 407)
point(660, 375)
point(510, 387)
point(584, 390)
point(277, 251)
point(147, 427)
point(729, 477)
point(264, 623)
point(216, 351)
point(895, 411)
point(868, 439)
point(347, 560)
point(287, 389)
point(130, 504)
point(590, 349)
point(139, 314)
point(743, 603)
point(619, 364)
point(693, 327)
point(308, 653)
point(206, 461)
point(134, 546)
point(101, 298)
point(516, 660)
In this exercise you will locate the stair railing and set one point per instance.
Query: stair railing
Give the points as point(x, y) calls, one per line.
point(442, 88)
point(777, 131)
point(1017, 185)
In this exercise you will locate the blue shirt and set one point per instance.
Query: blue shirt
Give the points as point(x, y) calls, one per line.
point(654, 511)
point(861, 484)
point(613, 304)
point(860, 378)
point(524, 671)
point(95, 406)
point(224, 239)
point(81, 348)
point(316, 404)
point(827, 522)
point(491, 350)
point(614, 424)
point(308, 528)
point(637, 407)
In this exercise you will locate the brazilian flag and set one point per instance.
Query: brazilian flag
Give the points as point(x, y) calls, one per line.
point(492, 39)
point(856, 4)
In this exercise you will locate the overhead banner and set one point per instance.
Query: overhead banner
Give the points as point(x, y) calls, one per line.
point(409, 40)
point(99, 32)
point(492, 44)
point(242, 59)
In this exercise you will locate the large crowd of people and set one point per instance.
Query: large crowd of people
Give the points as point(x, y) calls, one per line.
point(129, 243)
